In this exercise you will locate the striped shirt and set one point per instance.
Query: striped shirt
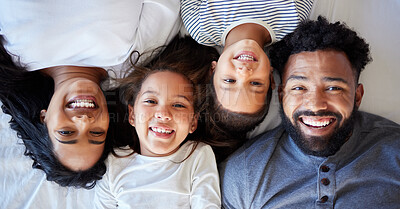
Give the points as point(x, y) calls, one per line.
point(209, 21)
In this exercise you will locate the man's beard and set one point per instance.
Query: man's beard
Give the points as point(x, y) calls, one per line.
point(322, 146)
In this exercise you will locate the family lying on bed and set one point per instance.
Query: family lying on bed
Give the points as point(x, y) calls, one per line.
point(188, 101)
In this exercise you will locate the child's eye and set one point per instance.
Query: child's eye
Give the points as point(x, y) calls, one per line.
point(179, 105)
point(229, 81)
point(255, 83)
point(65, 133)
point(150, 101)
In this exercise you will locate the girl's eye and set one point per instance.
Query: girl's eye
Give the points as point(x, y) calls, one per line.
point(255, 83)
point(97, 133)
point(179, 106)
point(229, 80)
point(150, 101)
point(65, 133)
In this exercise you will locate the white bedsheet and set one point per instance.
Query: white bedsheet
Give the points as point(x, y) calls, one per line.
point(378, 21)
point(24, 187)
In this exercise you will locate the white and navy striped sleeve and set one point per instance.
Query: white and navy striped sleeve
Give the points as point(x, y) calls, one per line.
point(208, 21)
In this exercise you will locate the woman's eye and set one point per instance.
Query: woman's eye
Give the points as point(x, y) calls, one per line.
point(255, 83)
point(97, 133)
point(65, 133)
point(298, 88)
point(229, 80)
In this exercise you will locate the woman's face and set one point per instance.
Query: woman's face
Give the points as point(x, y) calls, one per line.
point(77, 121)
point(163, 114)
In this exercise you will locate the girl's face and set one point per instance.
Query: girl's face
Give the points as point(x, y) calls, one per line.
point(163, 114)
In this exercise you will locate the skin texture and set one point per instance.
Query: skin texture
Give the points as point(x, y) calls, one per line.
point(241, 85)
point(77, 134)
point(323, 84)
point(165, 101)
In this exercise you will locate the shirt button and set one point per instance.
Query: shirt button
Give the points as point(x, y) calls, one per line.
point(325, 181)
point(324, 199)
point(325, 168)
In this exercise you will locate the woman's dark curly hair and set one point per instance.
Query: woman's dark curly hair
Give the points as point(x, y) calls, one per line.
point(321, 35)
point(24, 94)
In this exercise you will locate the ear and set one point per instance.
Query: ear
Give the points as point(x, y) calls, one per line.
point(359, 94)
point(43, 115)
point(194, 123)
point(131, 115)
point(280, 93)
point(213, 66)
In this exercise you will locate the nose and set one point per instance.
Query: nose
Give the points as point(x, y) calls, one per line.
point(316, 100)
point(83, 118)
point(244, 70)
point(162, 113)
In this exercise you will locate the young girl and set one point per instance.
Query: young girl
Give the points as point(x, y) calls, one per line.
point(168, 166)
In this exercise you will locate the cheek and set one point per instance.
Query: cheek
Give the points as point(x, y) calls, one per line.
point(142, 115)
point(344, 105)
point(290, 104)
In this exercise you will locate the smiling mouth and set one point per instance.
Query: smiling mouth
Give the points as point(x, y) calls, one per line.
point(82, 103)
point(317, 123)
point(161, 130)
point(246, 57)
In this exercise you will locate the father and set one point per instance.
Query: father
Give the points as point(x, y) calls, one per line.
point(325, 154)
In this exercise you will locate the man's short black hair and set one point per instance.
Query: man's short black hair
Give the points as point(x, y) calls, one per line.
point(321, 35)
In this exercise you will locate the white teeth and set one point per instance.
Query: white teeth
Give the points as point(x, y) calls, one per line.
point(161, 130)
point(316, 123)
point(82, 103)
point(246, 57)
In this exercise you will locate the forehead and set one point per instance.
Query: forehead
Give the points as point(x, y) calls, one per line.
point(168, 82)
point(321, 63)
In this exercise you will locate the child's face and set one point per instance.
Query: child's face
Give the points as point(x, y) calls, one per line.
point(242, 77)
point(163, 114)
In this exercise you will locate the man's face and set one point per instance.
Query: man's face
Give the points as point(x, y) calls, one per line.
point(319, 96)
point(242, 77)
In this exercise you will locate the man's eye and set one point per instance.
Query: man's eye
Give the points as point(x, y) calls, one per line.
point(97, 133)
point(334, 88)
point(255, 83)
point(65, 133)
point(229, 80)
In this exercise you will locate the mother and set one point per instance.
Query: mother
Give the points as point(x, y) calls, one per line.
point(55, 99)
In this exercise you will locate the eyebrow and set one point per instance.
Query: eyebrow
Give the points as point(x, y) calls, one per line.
point(329, 79)
point(156, 93)
point(252, 90)
point(74, 141)
point(296, 77)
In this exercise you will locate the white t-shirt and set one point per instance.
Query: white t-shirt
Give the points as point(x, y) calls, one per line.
point(100, 33)
point(140, 181)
